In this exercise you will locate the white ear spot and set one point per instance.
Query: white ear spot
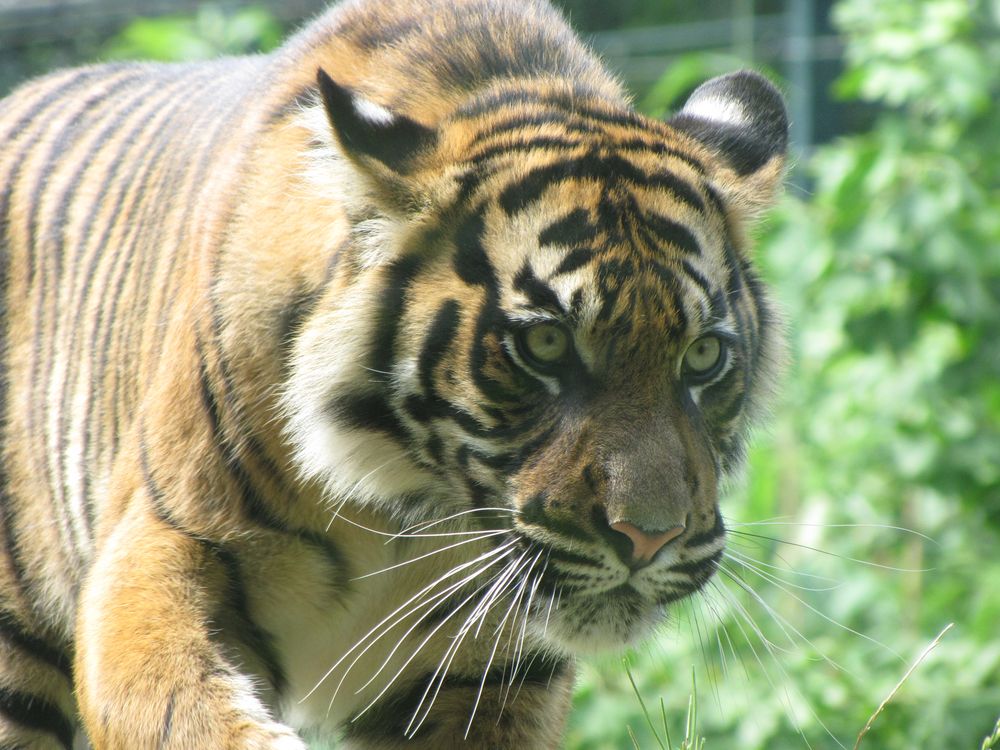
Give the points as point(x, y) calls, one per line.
point(717, 109)
point(374, 113)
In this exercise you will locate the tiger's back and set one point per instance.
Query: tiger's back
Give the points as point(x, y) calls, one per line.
point(235, 292)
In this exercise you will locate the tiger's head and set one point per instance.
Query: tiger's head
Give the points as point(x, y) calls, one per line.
point(546, 320)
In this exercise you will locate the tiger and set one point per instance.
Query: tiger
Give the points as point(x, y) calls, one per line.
point(353, 391)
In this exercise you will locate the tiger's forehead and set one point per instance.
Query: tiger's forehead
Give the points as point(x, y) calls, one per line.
point(605, 257)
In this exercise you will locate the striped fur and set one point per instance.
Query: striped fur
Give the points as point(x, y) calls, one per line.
point(282, 455)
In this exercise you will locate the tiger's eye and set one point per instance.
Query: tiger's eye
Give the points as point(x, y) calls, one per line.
point(545, 343)
point(703, 355)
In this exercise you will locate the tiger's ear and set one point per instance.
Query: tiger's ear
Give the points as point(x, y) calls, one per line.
point(383, 144)
point(741, 118)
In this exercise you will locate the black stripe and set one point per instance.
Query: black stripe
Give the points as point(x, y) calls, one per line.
point(536, 144)
point(37, 648)
point(706, 537)
point(473, 266)
point(697, 568)
point(539, 294)
point(78, 78)
point(575, 259)
point(34, 198)
point(533, 513)
point(471, 262)
point(439, 338)
point(252, 498)
point(560, 555)
point(574, 106)
point(672, 233)
point(572, 229)
point(88, 335)
point(716, 299)
point(367, 411)
point(674, 294)
point(168, 719)
point(399, 276)
point(612, 170)
point(156, 495)
point(78, 294)
point(251, 634)
point(36, 713)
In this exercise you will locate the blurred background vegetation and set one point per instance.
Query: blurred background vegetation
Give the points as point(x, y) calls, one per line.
point(869, 517)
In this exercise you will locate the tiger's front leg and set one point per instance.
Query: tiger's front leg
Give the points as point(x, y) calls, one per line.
point(148, 672)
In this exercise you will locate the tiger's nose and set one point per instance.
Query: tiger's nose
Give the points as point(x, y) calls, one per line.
point(645, 544)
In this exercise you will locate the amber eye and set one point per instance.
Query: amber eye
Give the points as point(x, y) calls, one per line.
point(703, 358)
point(543, 344)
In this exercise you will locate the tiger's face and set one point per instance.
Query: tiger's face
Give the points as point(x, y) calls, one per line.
point(570, 345)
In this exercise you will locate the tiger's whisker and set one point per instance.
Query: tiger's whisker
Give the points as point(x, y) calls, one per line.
point(868, 563)
point(392, 536)
point(812, 524)
point(519, 650)
point(402, 639)
point(453, 545)
point(424, 525)
point(497, 551)
point(497, 590)
point(769, 645)
point(767, 577)
point(753, 564)
point(511, 608)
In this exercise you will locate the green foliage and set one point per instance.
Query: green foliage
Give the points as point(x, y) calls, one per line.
point(691, 739)
point(993, 741)
point(206, 35)
point(889, 271)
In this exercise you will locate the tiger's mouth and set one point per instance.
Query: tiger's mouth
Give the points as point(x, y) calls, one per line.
point(593, 603)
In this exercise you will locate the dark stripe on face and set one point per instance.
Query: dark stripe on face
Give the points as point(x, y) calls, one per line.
point(716, 299)
point(612, 274)
point(560, 555)
point(669, 232)
point(471, 262)
point(611, 169)
point(540, 295)
point(707, 537)
point(762, 316)
point(35, 712)
point(439, 339)
point(577, 258)
point(573, 229)
point(576, 113)
point(473, 266)
point(390, 311)
point(698, 568)
point(367, 411)
point(12, 632)
point(533, 513)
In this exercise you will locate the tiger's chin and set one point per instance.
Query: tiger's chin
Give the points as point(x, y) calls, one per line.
point(593, 624)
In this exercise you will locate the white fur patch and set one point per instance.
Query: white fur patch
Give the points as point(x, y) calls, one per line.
point(374, 113)
point(717, 109)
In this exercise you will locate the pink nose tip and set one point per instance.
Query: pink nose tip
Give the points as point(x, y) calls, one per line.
point(646, 545)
